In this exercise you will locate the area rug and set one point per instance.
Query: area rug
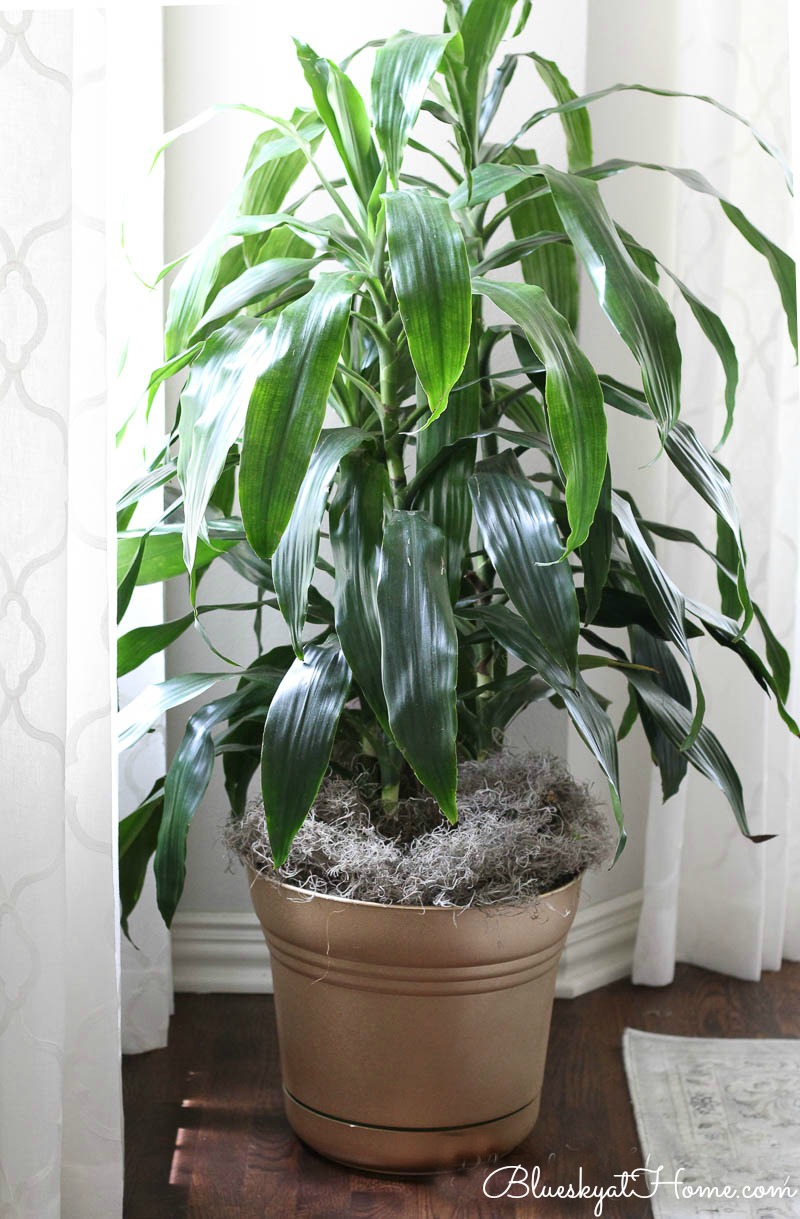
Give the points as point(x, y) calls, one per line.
point(719, 1125)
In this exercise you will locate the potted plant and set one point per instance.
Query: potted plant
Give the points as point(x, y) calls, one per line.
point(476, 551)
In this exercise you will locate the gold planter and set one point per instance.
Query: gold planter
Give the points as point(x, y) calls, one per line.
point(412, 1039)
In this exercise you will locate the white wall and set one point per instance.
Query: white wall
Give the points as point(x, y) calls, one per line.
point(243, 53)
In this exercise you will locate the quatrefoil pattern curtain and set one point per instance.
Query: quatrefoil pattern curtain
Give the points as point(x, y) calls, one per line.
point(61, 1116)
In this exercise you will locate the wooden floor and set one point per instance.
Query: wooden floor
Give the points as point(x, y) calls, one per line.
point(206, 1137)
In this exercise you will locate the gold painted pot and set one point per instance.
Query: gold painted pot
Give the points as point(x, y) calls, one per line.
point(412, 1038)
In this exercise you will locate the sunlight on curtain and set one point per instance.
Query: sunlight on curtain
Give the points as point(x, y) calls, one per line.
point(61, 1121)
point(712, 898)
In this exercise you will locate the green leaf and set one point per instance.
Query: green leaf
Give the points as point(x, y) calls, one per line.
point(596, 551)
point(444, 496)
point(779, 262)
point(712, 327)
point(664, 598)
point(185, 785)
point(552, 266)
point(711, 481)
point(143, 711)
point(138, 834)
point(403, 69)
point(268, 181)
point(254, 284)
point(619, 609)
point(655, 654)
point(240, 743)
point(705, 753)
point(631, 302)
point(491, 179)
point(482, 27)
point(342, 109)
point(356, 525)
point(287, 408)
point(213, 408)
point(728, 633)
point(520, 534)
point(188, 294)
point(624, 398)
point(199, 271)
point(294, 560)
point(298, 739)
point(173, 366)
point(572, 106)
point(576, 123)
point(573, 395)
point(138, 645)
point(581, 703)
point(419, 646)
point(519, 251)
point(241, 760)
point(162, 558)
point(777, 657)
point(128, 568)
point(430, 271)
point(727, 559)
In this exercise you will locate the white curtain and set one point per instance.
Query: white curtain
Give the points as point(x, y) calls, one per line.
point(135, 321)
point(70, 86)
point(61, 1123)
point(710, 897)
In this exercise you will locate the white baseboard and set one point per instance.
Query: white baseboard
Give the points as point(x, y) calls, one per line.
point(599, 947)
point(226, 952)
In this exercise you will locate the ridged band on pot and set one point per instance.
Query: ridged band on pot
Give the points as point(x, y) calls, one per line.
point(412, 1038)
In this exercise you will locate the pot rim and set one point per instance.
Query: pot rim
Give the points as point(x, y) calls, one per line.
point(308, 895)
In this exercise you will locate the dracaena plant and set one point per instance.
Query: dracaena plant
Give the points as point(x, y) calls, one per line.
point(346, 377)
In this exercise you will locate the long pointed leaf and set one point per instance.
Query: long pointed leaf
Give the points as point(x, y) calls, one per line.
point(575, 122)
point(138, 835)
point(779, 262)
point(482, 27)
point(255, 283)
point(655, 654)
point(162, 557)
point(521, 537)
point(342, 109)
point(573, 105)
point(356, 524)
point(711, 481)
point(573, 395)
point(553, 266)
point(712, 327)
point(584, 710)
point(403, 69)
point(298, 739)
point(632, 304)
point(445, 497)
point(596, 551)
point(184, 787)
point(420, 652)
point(287, 408)
point(665, 600)
point(143, 711)
point(705, 753)
point(293, 561)
point(430, 271)
point(213, 409)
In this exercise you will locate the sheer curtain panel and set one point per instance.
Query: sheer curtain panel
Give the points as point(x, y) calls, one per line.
point(710, 897)
point(61, 1117)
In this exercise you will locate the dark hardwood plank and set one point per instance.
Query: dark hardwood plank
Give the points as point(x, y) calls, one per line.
point(206, 1137)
